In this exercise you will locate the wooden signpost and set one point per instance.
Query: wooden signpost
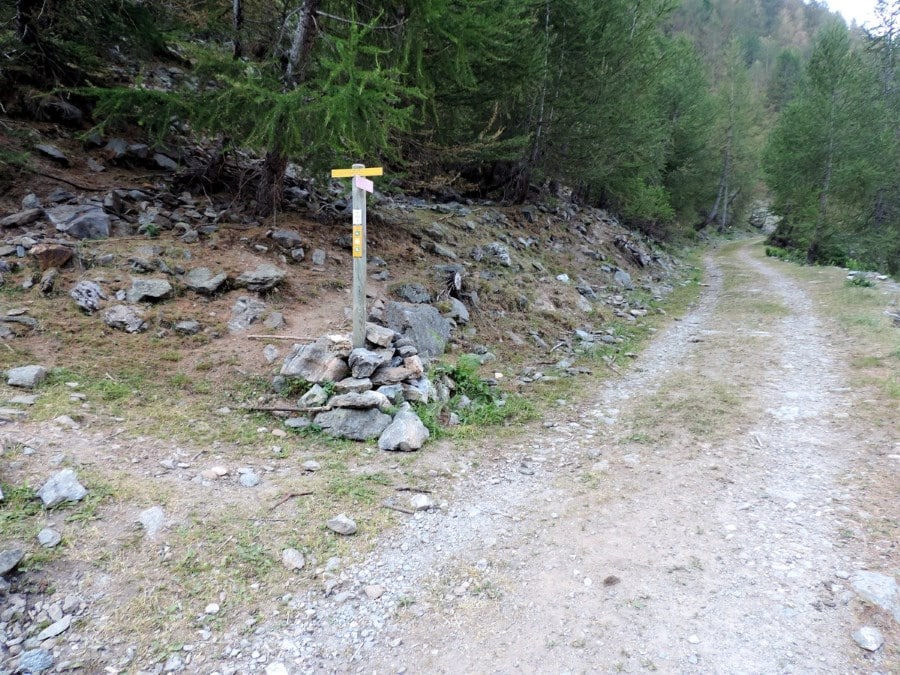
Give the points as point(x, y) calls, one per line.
point(361, 185)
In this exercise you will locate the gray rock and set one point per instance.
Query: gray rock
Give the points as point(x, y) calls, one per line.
point(405, 433)
point(80, 221)
point(358, 425)
point(869, 638)
point(87, 295)
point(353, 385)
point(202, 280)
point(623, 279)
point(311, 465)
point(422, 324)
point(421, 502)
point(364, 362)
point(173, 664)
point(380, 336)
point(287, 239)
point(189, 327)
point(149, 289)
point(413, 292)
point(22, 218)
point(35, 661)
point(53, 153)
point(49, 538)
point(55, 628)
point(292, 559)
point(165, 162)
point(270, 353)
point(297, 422)
point(298, 254)
point(315, 397)
point(62, 487)
point(124, 317)
point(248, 478)
point(152, 520)
point(9, 559)
point(244, 312)
point(320, 361)
point(342, 525)
point(361, 401)
point(274, 321)
point(262, 278)
point(879, 589)
point(458, 312)
point(393, 392)
point(26, 376)
point(31, 201)
point(497, 252)
point(319, 257)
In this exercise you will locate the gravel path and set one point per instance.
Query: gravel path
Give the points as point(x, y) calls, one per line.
point(685, 517)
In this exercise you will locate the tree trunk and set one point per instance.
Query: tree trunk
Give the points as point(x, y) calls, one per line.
point(237, 24)
point(26, 30)
point(271, 183)
point(301, 44)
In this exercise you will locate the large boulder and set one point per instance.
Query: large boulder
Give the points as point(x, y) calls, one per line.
point(22, 218)
point(324, 360)
point(357, 425)
point(85, 221)
point(405, 433)
point(423, 324)
point(87, 295)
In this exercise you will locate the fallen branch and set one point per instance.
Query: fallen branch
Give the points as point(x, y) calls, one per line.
point(288, 498)
point(413, 489)
point(394, 507)
point(80, 186)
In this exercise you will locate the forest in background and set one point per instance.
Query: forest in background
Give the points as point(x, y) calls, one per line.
point(677, 116)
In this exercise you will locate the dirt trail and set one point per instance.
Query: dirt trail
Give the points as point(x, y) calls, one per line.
point(685, 517)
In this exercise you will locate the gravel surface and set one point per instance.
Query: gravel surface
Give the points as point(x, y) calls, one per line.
point(584, 547)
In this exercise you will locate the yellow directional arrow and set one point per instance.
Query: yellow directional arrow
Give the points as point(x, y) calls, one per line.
point(365, 171)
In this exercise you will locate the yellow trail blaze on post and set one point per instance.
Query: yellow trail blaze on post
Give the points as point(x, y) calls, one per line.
point(349, 173)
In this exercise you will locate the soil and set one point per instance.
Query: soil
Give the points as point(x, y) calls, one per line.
point(718, 539)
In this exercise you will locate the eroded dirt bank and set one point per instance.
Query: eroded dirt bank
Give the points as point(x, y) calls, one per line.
point(690, 516)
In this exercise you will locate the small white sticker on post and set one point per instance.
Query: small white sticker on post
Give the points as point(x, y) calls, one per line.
point(357, 216)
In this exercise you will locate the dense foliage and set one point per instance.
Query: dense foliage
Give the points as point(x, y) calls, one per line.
point(658, 109)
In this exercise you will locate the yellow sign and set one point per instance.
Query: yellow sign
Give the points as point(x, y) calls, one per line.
point(357, 241)
point(365, 171)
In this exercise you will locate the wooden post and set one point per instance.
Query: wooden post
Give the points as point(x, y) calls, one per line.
point(359, 263)
point(361, 186)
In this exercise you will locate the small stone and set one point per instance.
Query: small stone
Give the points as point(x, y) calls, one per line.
point(249, 479)
point(211, 608)
point(189, 327)
point(153, 520)
point(87, 295)
point(374, 591)
point(26, 376)
point(292, 559)
point(421, 502)
point(319, 257)
point(693, 639)
point(49, 538)
point(54, 629)
point(342, 525)
point(149, 289)
point(311, 465)
point(869, 638)
point(62, 487)
point(9, 559)
point(276, 669)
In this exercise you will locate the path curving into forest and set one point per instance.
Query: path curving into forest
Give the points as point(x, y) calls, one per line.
point(684, 517)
